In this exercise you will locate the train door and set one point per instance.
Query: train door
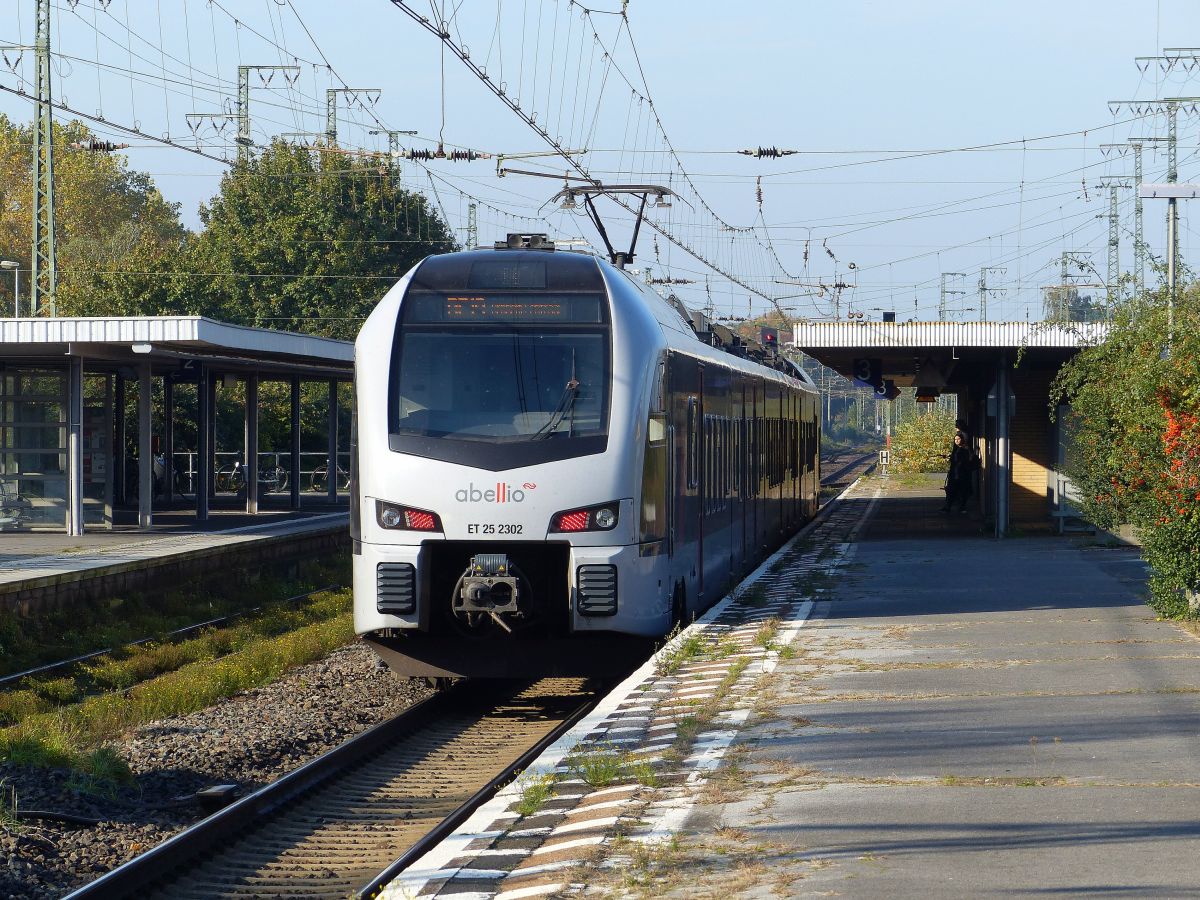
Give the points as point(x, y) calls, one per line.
point(737, 515)
point(700, 433)
point(686, 509)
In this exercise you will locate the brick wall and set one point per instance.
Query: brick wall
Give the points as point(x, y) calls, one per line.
point(1032, 447)
point(87, 586)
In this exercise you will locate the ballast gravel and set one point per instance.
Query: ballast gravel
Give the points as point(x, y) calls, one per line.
point(249, 740)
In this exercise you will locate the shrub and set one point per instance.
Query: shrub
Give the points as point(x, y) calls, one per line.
point(922, 443)
point(1135, 418)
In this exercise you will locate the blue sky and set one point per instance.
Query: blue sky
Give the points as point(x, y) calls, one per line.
point(848, 83)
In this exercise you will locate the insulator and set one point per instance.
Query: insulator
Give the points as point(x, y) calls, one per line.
point(766, 152)
point(440, 153)
point(758, 190)
point(95, 145)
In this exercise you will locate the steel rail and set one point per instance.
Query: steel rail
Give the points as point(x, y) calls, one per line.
point(448, 825)
point(174, 857)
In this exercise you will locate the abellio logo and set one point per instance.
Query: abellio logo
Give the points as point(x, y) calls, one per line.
point(501, 493)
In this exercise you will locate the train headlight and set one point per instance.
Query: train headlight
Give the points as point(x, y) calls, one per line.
point(395, 517)
point(602, 517)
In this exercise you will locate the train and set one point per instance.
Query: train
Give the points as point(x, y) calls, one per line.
point(553, 466)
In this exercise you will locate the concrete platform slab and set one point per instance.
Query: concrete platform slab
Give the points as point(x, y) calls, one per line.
point(972, 717)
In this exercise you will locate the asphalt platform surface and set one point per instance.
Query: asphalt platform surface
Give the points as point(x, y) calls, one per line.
point(972, 717)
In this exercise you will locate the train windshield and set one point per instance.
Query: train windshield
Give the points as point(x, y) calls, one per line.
point(502, 369)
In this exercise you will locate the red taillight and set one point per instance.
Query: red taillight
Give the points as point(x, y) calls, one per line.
point(395, 516)
point(420, 521)
point(573, 521)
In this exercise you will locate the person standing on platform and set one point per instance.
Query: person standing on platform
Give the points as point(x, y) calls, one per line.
point(960, 474)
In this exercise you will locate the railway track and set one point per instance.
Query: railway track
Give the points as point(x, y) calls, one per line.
point(843, 472)
point(330, 827)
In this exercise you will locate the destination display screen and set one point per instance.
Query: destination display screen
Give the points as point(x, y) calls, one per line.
point(473, 306)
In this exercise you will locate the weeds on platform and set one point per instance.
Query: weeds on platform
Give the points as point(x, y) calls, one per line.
point(691, 647)
point(535, 791)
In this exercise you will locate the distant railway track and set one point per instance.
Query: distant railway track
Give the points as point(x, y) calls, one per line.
point(842, 473)
point(329, 828)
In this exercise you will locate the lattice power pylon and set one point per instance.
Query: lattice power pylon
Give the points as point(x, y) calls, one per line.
point(45, 270)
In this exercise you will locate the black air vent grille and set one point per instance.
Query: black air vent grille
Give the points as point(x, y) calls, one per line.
point(597, 586)
point(396, 588)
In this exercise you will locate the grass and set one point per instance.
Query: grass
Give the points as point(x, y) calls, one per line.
point(535, 791)
point(754, 596)
point(689, 727)
point(600, 766)
point(691, 647)
point(8, 807)
point(71, 737)
point(29, 641)
point(133, 665)
point(765, 636)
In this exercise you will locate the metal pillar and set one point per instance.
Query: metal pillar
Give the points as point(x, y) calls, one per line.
point(204, 417)
point(168, 443)
point(1003, 449)
point(119, 453)
point(145, 450)
point(75, 448)
point(295, 435)
point(331, 487)
point(252, 444)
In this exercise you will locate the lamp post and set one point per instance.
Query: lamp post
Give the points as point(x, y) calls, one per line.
point(15, 267)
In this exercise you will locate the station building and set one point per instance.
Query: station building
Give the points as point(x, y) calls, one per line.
point(105, 422)
point(1001, 373)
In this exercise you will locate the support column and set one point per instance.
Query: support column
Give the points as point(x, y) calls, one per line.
point(168, 443)
point(145, 449)
point(331, 487)
point(119, 458)
point(1003, 449)
point(203, 446)
point(75, 448)
point(295, 435)
point(252, 444)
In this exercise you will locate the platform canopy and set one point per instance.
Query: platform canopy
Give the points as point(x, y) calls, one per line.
point(67, 441)
point(165, 341)
point(937, 354)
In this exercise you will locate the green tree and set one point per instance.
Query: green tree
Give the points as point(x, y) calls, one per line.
point(304, 241)
point(107, 217)
point(1135, 420)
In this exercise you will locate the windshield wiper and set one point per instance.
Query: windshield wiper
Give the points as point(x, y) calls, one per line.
point(566, 404)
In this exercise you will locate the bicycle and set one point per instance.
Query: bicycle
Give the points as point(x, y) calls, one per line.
point(14, 510)
point(319, 481)
point(231, 478)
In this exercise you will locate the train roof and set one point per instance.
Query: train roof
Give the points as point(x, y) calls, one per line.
point(537, 265)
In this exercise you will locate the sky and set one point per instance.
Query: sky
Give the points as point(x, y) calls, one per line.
point(935, 140)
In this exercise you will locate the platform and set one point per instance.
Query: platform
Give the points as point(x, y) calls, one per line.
point(937, 714)
point(40, 568)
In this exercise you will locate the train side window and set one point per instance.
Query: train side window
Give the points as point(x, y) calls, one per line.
point(693, 444)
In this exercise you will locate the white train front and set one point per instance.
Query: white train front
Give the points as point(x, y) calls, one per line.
point(550, 467)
